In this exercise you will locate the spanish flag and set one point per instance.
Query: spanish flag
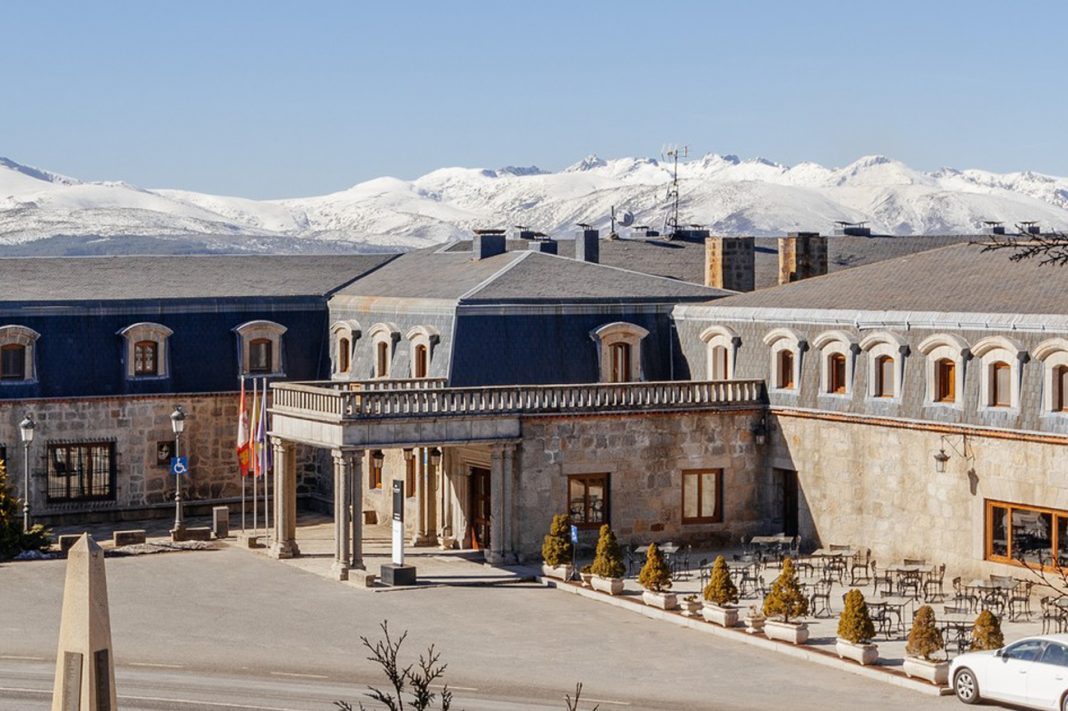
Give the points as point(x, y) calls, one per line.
point(243, 457)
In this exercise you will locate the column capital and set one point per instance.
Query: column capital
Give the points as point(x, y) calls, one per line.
point(279, 442)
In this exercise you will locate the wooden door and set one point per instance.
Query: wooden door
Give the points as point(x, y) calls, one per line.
point(788, 479)
point(479, 509)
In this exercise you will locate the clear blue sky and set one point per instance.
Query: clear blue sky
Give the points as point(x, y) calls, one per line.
point(272, 99)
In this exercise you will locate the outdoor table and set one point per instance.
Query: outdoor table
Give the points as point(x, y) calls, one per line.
point(776, 540)
point(992, 593)
point(896, 607)
point(905, 573)
point(960, 627)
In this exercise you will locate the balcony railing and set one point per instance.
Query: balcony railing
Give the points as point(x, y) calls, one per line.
point(341, 401)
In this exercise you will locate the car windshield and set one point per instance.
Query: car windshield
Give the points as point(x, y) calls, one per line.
point(1027, 650)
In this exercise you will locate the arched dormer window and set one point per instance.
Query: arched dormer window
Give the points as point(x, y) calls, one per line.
point(619, 351)
point(886, 364)
point(1053, 354)
point(722, 345)
point(421, 341)
point(837, 362)
point(946, 356)
point(384, 337)
point(260, 348)
point(343, 335)
point(18, 349)
point(146, 350)
point(1001, 359)
point(786, 348)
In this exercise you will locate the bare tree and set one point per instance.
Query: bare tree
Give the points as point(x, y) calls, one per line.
point(573, 704)
point(1048, 247)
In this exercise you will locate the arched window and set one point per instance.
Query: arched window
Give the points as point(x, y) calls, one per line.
point(422, 341)
point(259, 356)
point(12, 362)
point(719, 363)
point(1053, 354)
point(836, 373)
point(146, 358)
point(621, 362)
point(722, 345)
point(382, 359)
point(1002, 359)
point(884, 376)
point(945, 380)
point(784, 370)
point(787, 348)
point(619, 351)
point(839, 351)
point(420, 362)
point(1060, 388)
point(1000, 387)
point(344, 355)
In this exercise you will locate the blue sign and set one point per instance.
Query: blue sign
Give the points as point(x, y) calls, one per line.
point(179, 466)
point(574, 533)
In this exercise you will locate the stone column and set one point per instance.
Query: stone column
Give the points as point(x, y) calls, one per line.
point(431, 498)
point(284, 544)
point(355, 489)
point(342, 508)
point(509, 545)
point(413, 458)
point(495, 554)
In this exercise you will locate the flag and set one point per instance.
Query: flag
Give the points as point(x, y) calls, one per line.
point(261, 431)
point(253, 448)
point(242, 434)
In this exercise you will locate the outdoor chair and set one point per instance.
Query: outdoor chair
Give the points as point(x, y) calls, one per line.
point(820, 601)
point(751, 583)
point(963, 594)
point(835, 569)
point(910, 585)
point(860, 564)
point(704, 572)
point(1020, 599)
point(932, 586)
point(961, 633)
point(1053, 618)
point(884, 580)
point(879, 618)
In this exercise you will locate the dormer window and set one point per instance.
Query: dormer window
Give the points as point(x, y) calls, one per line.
point(786, 348)
point(1053, 354)
point(381, 359)
point(18, 346)
point(621, 362)
point(146, 358)
point(784, 370)
point(839, 352)
point(884, 377)
point(12, 362)
point(344, 355)
point(722, 344)
point(946, 357)
point(886, 363)
point(945, 385)
point(836, 374)
point(343, 335)
point(1060, 388)
point(619, 351)
point(1001, 359)
point(420, 362)
point(260, 346)
point(1000, 388)
point(384, 337)
point(260, 358)
point(421, 343)
point(146, 350)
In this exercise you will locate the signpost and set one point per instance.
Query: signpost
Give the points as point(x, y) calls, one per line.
point(179, 466)
point(396, 572)
point(574, 552)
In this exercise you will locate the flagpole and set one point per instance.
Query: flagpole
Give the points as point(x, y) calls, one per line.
point(240, 472)
point(254, 461)
point(263, 468)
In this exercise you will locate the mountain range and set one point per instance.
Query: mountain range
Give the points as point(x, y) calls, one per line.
point(45, 212)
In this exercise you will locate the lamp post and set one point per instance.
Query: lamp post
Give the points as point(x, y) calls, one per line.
point(178, 425)
point(26, 428)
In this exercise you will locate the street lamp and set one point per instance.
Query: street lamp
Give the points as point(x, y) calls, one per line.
point(178, 425)
point(26, 428)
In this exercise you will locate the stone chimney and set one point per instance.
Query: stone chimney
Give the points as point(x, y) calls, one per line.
point(488, 243)
point(546, 246)
point(588, 246)
point(802, 255)
point(730, 263)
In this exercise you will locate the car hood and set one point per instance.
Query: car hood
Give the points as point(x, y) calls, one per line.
point(970, 657)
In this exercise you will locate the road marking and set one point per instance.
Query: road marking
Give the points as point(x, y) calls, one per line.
point(454, 688)
point(207, 704)
point(607, 701)
point(23, 659)
point(299, 676)
point(160, 666)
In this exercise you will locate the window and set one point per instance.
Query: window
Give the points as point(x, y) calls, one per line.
point(146, 358)
point(1053, 354)
point(719, 363)
point(884, 376)
point(1060, 388)
point(1000, 384)
point(1027, 650)
point(260, 356)
point(382, 359)
point(945, 386)
point(785, 370)
point(1029, 534)
point(836, 374)
point(374, 479)
point(588, 499)
point(620, 355)
point(13, 362)
point(409, 472)
point(721, 344)
point(702, 496)
point(344, 355)
point(421, 342)
point(419, 365)
point(81, 472)
point(1056, 654)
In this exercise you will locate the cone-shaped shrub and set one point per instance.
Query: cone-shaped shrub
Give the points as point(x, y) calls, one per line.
point(786, 599)
point(13, 540)
point(925, 639)
point(720, 589)
point(556, 550)
point(987, 632)
point(655, 574)
point(608, 561)
point(855, 623)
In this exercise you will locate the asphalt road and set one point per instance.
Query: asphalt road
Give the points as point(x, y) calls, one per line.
point(231, 630)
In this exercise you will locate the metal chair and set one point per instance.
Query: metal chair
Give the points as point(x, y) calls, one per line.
point(861, 563)
point(932, 585)
point(961, 592)
point(1020, 597)
point(885, 580)
point(821, 592)
point(1052, 616)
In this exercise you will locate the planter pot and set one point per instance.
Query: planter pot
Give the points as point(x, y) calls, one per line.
point(860, 653)
point(586, 578)
point(560, 572)
point(795, 633)
point(663, 600)
point(612, 586)
point(724, 616)
point(934, 672)
point(754, 623)
point(690, 608)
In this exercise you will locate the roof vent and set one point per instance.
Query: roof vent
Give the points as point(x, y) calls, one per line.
point(1030, 227)
point(994, 227)
point(852, 229)
point(488, 243)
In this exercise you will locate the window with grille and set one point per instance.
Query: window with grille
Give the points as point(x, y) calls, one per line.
point(146, 358)
point(81, 471)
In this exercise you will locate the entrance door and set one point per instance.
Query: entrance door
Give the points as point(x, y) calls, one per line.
point(788, 482)
point(479, 509)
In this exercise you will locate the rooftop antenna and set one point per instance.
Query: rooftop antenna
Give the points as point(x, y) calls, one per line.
point(626, 218)
point(672, 153)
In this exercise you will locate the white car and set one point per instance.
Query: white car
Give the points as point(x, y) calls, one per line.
point(1032, 672)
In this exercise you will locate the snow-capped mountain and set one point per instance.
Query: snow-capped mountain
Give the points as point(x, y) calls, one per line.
point(722, 192)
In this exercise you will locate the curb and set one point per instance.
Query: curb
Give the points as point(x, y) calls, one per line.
point(807, 653)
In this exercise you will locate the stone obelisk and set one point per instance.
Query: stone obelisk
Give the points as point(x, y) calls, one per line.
point(85, 667)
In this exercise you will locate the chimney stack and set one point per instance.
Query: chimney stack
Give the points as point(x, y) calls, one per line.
point(545, 246)
point(730, 263)
point(802, 255)
point(487, 243)
point(588, 245)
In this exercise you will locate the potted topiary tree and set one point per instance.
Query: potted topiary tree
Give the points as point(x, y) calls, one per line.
point(608, 565)
point(720, 596)
point(987, 632)
point(556, 551)
point(925, 641)
point(786, 600)
point(655, 579)
point(856, 631)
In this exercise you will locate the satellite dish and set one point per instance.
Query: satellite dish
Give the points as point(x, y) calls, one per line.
point(625, 218)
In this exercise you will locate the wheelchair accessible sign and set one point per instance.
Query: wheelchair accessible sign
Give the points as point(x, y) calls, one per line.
point(179, 466)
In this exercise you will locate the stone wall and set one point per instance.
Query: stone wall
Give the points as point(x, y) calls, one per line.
point(645, 456)
point(875, 486)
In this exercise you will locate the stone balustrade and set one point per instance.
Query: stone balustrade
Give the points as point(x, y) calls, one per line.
point(338, 401)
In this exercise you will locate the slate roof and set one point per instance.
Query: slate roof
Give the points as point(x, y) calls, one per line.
point(957, 279)
point(50, 279)
point(517, 276)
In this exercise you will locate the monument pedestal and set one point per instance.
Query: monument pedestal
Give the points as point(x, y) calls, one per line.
point(395, 575)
